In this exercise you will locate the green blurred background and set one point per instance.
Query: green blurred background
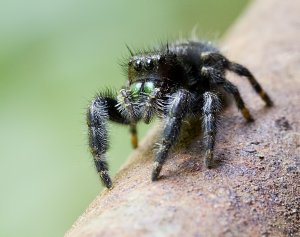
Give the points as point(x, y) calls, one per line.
point(54, 56)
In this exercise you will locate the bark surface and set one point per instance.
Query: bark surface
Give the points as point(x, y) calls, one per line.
point(254, 190)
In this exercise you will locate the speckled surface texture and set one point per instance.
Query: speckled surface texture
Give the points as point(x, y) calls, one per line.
point(254, 190)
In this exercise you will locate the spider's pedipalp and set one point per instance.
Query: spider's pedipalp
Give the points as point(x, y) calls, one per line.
point(127, 107)
point(152, 105)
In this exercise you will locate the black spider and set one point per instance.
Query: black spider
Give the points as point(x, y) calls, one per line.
point(173, 81)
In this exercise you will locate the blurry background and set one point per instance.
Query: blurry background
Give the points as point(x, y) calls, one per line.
point(54, 56)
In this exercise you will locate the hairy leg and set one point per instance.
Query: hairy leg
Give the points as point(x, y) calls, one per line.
point(216, 58)
point(102, 109)
point(218, 79)
point(211, 107)
point(242, 71)
point(178, 106)
point(134, 137)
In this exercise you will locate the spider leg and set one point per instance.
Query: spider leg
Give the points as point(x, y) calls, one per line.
point(211, 107)
point(217, 78)
point(134, 137)
point(178, 106)
point(240, 70)
point(102, 109)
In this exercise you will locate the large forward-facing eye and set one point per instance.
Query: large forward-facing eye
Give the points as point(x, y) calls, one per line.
point(149, 64)
point(148, 87)
point(137, 65)
point(135, 89)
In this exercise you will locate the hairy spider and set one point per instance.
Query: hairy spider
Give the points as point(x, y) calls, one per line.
point(172, 82)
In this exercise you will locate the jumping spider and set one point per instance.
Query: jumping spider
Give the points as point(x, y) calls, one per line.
point(172, 82)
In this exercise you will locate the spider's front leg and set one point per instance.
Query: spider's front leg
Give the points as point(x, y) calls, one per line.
point(179, 105)
point(102, 109)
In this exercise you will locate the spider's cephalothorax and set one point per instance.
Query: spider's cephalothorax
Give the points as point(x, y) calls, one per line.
point(171, 82)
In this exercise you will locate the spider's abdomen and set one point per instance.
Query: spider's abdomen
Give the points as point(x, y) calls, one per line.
point(190, 52)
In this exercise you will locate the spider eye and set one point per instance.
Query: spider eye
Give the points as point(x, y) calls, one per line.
point(149, 64)
point(135, 89)
point(161, 59)
point(148, 87)
point(137, 65)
